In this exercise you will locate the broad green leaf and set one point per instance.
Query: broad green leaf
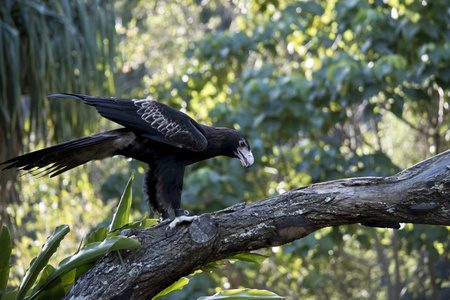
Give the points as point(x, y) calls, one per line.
point(69, 278)
point(149, 222)
point(249, 257)
point(177, 285)
point(97, 236)
point(122, 213)
point(90, 253)
point(87, 256)
point(242, 294)
point(5, 256)
point(44, 275)
point(54, 291)
point(41, 260)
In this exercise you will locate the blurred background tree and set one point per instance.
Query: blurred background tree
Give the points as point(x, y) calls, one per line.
point(322, 89)
point(44, 47)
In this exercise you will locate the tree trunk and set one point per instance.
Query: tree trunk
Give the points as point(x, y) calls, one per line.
point(419, 194)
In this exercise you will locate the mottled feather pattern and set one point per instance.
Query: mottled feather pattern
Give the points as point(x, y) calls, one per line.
point(154, 120)
point(181, 131)
point(152, 114)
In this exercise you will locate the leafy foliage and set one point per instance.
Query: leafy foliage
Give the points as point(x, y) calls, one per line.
point(54, 283)
point(41, 260)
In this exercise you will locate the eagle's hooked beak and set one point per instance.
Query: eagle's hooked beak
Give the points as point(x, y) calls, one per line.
point(245, 155)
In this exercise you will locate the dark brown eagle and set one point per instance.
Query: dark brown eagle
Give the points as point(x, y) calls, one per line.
point(154, 133)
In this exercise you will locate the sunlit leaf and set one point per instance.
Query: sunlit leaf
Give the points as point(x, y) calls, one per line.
point(249, 257)
point(176, 286)
point(242, 295)
point(122, 213)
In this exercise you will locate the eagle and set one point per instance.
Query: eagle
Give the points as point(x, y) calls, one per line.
point(164, 138)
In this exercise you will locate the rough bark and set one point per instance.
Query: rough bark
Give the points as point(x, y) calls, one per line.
point(419, 194)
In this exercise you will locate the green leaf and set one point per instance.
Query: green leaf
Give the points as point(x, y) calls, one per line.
point(54, 291)
point(249, 257)
point(242, 294)
point(86, 256)
point(10, 295)
point(212, 266)
point(5, 256)
point(122, 213)
point(141, 224)
point(68, 280)
point(41, 260)
point(97, 236)
point(90, 253)
point(149, 222)
point(177, 285)
point(81, 270)
point(44, 275)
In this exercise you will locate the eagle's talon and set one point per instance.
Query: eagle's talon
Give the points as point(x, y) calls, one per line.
point(162, 221)
point(164, 218)
point(181, 219)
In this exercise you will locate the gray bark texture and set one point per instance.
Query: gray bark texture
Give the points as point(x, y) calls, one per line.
point(419, 194)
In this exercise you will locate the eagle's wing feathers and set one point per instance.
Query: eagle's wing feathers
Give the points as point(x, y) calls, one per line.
point(176, 127)
point(156, 120)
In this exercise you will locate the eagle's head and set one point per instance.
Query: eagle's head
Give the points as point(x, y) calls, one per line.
point(243, 152)
point(229, 142)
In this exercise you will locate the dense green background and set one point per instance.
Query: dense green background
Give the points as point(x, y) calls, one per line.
point(322, 89)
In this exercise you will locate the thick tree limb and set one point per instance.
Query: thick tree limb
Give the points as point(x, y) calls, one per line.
point(420, 194)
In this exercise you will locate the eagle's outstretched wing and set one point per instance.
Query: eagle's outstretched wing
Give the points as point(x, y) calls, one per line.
point(154, 119)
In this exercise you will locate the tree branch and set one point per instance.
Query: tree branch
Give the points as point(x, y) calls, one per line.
point(419, 194)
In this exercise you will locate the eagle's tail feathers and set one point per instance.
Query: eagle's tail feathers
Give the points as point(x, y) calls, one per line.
point(57, 159)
